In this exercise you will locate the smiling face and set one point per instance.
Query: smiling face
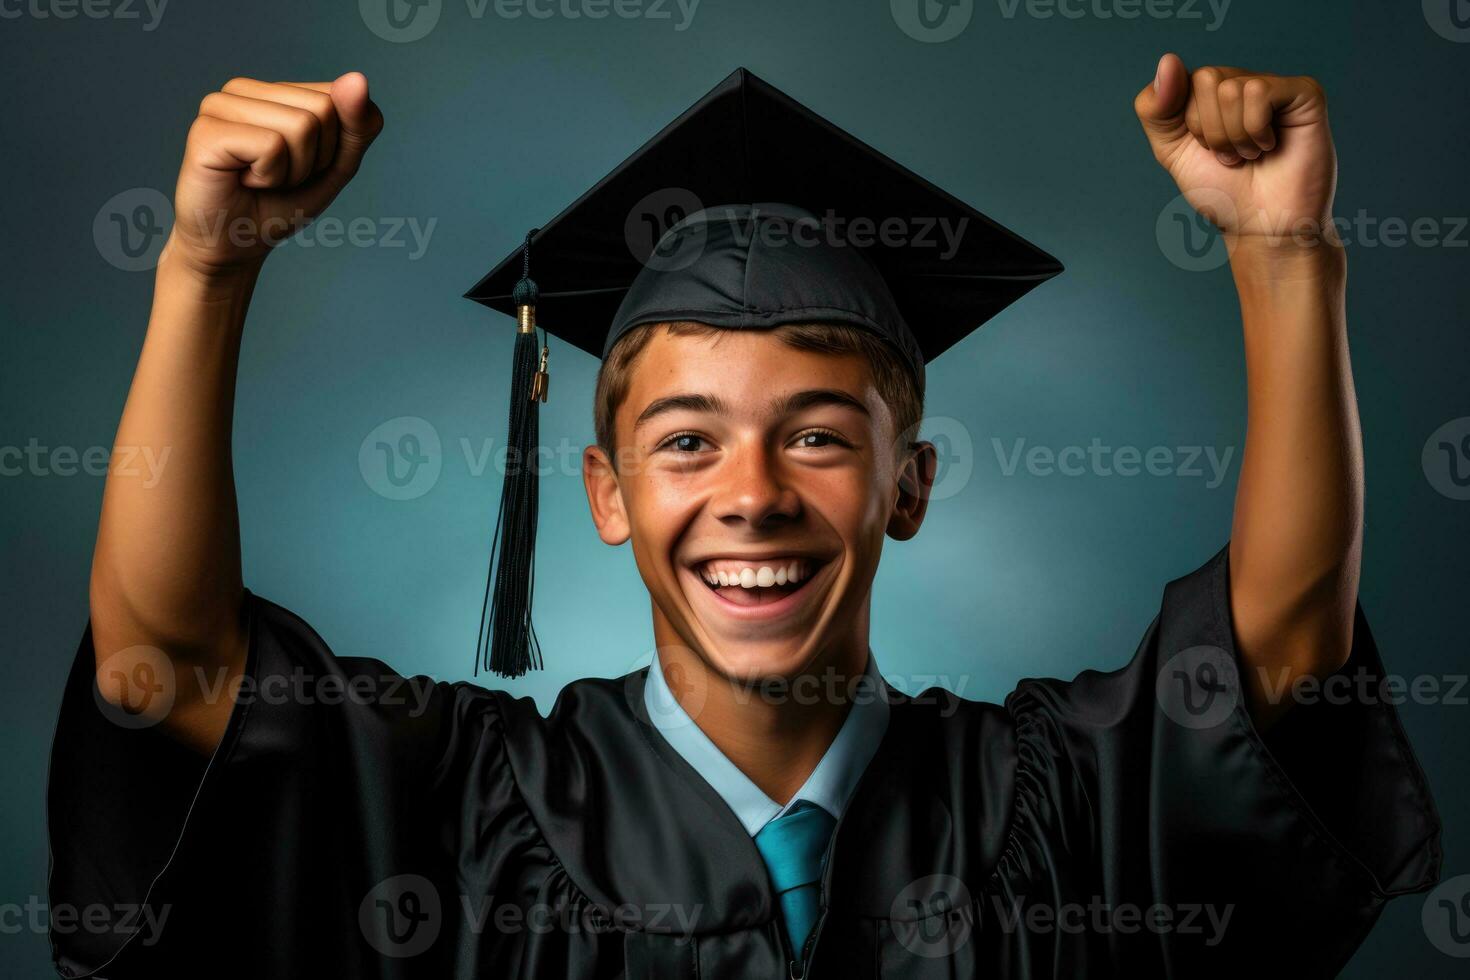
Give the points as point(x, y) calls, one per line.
point(757, 481)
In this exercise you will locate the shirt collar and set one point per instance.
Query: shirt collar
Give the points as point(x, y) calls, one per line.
point(830, 785)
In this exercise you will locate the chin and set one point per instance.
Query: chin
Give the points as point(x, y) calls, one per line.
point(744, 662)
point(748, 637)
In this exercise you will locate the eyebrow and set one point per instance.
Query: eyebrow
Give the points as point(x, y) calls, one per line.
point(790, 405)
point(816, 398)
point(708, 404)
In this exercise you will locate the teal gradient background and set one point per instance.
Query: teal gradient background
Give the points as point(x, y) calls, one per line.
point(495, 123)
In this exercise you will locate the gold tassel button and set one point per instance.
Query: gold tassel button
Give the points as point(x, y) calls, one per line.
point(541, 381)
point(526, 319)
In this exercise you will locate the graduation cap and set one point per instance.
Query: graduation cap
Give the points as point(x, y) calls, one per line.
point(749, 211)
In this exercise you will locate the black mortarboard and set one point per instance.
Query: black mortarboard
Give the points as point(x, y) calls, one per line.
point(746, 212)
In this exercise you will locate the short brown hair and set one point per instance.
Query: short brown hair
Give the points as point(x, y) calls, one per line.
point(900, 390)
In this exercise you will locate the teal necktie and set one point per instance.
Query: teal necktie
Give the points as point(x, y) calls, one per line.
point(794, 848)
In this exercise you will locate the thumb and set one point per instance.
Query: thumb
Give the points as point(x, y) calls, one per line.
point(1161, 104)
point(358, 120)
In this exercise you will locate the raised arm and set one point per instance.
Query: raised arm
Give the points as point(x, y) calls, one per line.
point(261, 159)
point(1253, 153)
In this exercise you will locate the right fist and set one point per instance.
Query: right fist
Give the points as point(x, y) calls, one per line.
point(263, 159)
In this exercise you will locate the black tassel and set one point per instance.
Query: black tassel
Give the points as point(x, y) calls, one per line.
point(506, 635)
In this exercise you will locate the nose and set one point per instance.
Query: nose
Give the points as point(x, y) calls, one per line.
point(753, 492)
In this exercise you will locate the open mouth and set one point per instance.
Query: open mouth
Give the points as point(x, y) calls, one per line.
point(749, 583)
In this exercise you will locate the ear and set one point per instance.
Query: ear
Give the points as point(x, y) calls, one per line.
point(604, 497)
point(915, 482)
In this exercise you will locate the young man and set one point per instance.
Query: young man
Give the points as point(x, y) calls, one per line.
point(757, 803)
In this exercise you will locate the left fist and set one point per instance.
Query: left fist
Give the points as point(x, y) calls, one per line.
point(1250, 151)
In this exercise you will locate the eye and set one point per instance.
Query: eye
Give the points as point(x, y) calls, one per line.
point(818, 439)
point(685, 442)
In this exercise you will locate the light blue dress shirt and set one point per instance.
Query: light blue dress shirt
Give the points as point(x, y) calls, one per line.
point(830, 785)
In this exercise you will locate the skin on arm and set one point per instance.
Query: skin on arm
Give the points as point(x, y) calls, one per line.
point(1253, 153)
point(1297, 534)
point(260, 159)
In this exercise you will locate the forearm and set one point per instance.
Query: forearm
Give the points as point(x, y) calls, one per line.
point(1297, 535)
point(166, 570)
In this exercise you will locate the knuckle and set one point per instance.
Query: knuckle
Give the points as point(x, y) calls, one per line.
point(318, 105)
point(1256, 88)
point(321, 102)
point(276, 146)
point(1208, 75)
point(235, 84)
point(1231, 90)
point(303, 125)
point(199, 130)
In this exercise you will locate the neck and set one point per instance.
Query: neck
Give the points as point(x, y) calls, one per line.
point(773, 730)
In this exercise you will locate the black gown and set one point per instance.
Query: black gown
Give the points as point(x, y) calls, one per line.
point(1131, 823)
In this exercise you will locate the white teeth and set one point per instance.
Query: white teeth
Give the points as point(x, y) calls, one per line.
point(754, 576)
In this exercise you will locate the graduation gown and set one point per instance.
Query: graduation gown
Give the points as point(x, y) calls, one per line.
point(1131, 823)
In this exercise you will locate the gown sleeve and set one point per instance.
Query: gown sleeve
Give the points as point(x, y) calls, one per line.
point(1212, 850)
point(336, 791)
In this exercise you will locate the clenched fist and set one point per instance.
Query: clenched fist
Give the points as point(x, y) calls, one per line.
point(263, 159)
point(1250, 150)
